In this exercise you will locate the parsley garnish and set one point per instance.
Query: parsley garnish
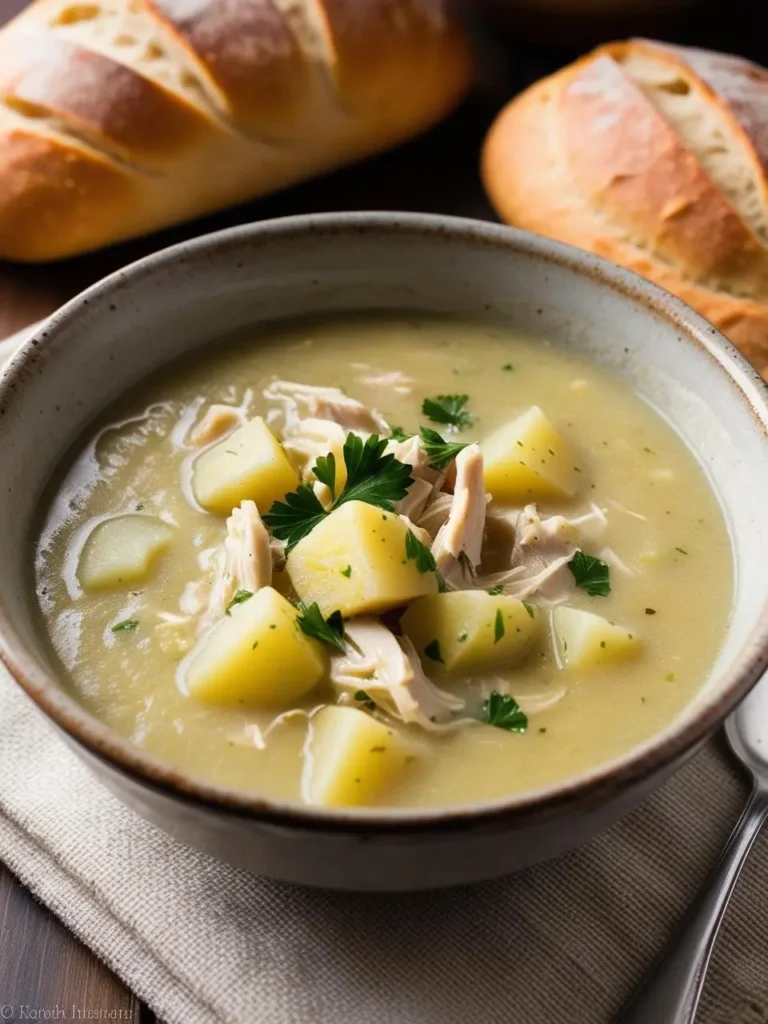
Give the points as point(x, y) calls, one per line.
point(398, 434)
point(495, 591)
point(682, 551)
point(366, 700)
point(591, 574)
point(440, 453)
point(498, 627)
point(347, 572)
point(325, 471)
point(448, 409)
point(329, 631)
point(420, 553)
point(529, 608)
point(505, 713)
point(507, 366)
point(126, 626)
point(432, 650)
point(372, 477)
point(240, 597)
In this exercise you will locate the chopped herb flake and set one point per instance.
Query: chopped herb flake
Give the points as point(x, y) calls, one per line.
point(462, 637)
point(682, 551)
point(347, 572)
point(467, 569)
point(591, 574)
point(420, 553)
point(498, 627)
point(448, 409)
point(366, 700)
point(495, 591)
point(126, 626)
point(650, 611)
point(240, 598)
point(328, 631)
point(529, 608)
point(398, 434)
point(508, 366)
point(505, 713)
point(432, 651)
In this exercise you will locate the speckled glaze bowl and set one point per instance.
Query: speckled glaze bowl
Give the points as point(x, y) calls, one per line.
point(169, 304)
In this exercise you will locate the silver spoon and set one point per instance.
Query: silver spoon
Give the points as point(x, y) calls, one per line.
point(671, 992)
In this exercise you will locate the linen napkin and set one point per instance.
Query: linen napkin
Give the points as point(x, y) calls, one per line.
point(200, 942)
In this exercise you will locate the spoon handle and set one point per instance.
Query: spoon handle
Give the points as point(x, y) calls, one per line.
point(670, 994)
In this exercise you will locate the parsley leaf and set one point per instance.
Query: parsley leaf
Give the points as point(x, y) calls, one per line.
point(291, 520)
point(398, 434)
point(366, 700)
point(448, 409)
point(495, 591)
point(372, 477)
point(432, 651)
point(505, 713)
point(240, 597)
point(591, 574)
point(329, 631)
point(420, 553)
point(440, 453)
point(325, 471)
point(126, 626)
point(347, 572)
point(529, 608)
point(498, 626)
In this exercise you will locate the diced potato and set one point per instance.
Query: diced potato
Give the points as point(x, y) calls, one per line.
point(355, 561)
point(256, 655)
point(470, 630)
point(527, 460)
point(248, 464)
point(587, 641)
point(122, 550)
point(352, 758)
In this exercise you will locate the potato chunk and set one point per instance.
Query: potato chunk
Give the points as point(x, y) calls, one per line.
point(470, 631)
point(355, 561)
point(248, 464)
point(587, 641)
point(256, 655)
point(122, 550)
point(351, 759)
point(527, 460)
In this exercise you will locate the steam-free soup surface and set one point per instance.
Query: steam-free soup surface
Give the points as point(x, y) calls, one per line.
point(653, 530)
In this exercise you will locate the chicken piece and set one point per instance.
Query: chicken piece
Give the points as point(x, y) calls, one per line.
point(391, 674)
point(426, 481)
point(246, 563)
point(300, 401)
point(435, 515)
point(459, 542)
point(306, 440)
point(543, 548)
point(418, 532)
point(217, 421)
point(175, 634)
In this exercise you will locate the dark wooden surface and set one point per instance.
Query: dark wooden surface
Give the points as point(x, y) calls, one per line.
point(41, 965)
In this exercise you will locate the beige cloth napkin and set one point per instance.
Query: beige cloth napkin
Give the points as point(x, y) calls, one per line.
point(200, 942)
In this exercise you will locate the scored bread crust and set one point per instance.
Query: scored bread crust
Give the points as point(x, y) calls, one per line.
point(583, 156)
point(119, 117)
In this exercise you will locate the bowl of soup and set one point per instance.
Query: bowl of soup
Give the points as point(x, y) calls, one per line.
point(382, 551)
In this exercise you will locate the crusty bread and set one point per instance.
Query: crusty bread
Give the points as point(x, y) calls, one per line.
point(656, 157)
point(118, 117)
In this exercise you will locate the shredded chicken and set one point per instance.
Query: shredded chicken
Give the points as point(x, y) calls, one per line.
point(426, 481)
point(539, 565)
point(418, 532)
point(301, 401)
point(391, 673)
point(217, 421)
point(460, 540)
point(609, 556)
point(175, 633)
point(306, 440)
point(435, 514)
point(247, 558)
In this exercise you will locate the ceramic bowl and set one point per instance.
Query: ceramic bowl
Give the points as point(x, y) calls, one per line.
point(169, 304)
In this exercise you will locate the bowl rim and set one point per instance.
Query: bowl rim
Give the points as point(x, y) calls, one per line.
point(587, 789)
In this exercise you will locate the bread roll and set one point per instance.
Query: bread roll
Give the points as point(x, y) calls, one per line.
point(118, 117)
point(656, 157)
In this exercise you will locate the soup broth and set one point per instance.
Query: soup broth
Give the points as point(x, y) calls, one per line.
point(642, 547)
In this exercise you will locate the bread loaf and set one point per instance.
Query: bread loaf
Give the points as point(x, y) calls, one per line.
point(118, 117)
point(656, 157)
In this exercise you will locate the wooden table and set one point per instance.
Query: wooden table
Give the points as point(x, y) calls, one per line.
point(41, 964)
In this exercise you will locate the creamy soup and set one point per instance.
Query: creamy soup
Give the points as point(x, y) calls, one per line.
point(384, 561)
